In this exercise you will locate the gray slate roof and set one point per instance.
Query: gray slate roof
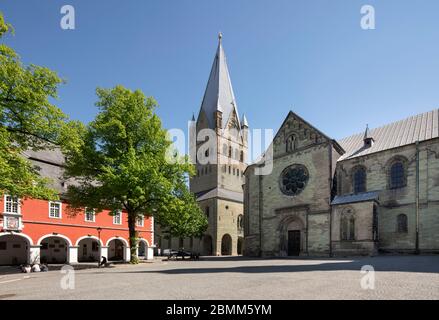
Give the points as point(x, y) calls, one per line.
point(352, 198)
point(221, 193)
point(420, 127)
point(219, 92)
point(53, 156)
point(49, 164)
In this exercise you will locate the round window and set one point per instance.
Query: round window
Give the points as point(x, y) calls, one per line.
point(294, 179)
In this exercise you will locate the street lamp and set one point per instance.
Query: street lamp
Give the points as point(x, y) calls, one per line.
point(99, 229)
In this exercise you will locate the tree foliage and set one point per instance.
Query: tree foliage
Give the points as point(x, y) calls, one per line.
point(120, 162)
point(28, 120)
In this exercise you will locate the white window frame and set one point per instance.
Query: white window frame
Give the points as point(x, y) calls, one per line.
point(142, 220)
point(119, 215)
point(85, 215)
point(18, 205)
point(60, 209)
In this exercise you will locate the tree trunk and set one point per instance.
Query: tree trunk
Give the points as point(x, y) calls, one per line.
point(133, 237)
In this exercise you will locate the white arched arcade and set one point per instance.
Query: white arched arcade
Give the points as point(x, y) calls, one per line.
point(118, 249)
point(17, 248)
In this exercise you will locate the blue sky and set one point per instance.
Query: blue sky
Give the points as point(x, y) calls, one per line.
point(311, 56)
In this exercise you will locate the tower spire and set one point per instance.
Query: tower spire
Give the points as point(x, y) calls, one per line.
point(368, 139)
point(219, 94)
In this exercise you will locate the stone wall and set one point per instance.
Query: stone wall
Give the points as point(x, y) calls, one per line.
point(310, 207)
point(363, 242)
point(393, 202)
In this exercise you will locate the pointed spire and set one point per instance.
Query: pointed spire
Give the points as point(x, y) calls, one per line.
point(368, 139)
point(367, 132)
point(219, 94)
point(244, 122)
point(193, 116)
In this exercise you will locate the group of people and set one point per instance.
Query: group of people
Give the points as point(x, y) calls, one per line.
point(27, 268)
point(36, 267)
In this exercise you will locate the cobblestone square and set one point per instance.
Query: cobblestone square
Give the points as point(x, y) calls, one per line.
point(236, 278)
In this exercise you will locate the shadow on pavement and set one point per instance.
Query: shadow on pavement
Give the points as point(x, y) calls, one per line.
point(419, 264)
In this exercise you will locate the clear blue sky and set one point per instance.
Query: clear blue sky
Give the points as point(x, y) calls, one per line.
point(308, 56)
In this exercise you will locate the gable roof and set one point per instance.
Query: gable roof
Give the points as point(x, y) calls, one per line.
point(291, 113)
point(219, 94)
point(420, 127)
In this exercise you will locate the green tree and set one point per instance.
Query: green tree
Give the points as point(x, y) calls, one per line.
point(175, 222)
point(120, 161)
point(28, 120)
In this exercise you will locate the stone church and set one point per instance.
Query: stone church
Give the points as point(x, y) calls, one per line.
point(376, 191)
point(372, 192)
point(219, 137)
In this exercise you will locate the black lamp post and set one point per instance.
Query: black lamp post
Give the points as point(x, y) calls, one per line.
point(99, 229)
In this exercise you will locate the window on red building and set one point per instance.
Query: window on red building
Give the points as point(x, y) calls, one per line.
point(140, 221)
point(12, 204)
point(89, 215)
point(55, 210)
point(117, 217)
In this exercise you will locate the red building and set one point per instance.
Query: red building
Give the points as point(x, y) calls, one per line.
point(34, 230)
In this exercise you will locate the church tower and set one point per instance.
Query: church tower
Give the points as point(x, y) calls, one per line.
point(221, 148)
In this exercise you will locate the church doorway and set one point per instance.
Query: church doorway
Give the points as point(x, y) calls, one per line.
point(293, 242)
point(292, 233)
point(226, 245)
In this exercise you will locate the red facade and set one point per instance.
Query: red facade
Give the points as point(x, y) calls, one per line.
point(31, 232)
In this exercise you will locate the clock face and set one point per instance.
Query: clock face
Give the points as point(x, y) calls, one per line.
point(293, 179)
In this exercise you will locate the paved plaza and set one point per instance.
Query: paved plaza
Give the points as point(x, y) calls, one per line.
point(396, 277)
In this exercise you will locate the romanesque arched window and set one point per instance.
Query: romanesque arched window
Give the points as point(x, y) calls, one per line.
point(359, 180)
point(397, 175)
point(401, 220)
point(230, 152)
point(236, 154)
point(291, 143)
point(347, 225)
point(344, 228)
point(352, 228)
point(240, 222)
point(225, 148)
point(241, 156)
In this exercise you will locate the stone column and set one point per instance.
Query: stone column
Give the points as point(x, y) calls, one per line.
point(104, 252)
point(234, 245)
point(72, 254)
point(149, 253)
point(34, 254)
point(127, 255)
